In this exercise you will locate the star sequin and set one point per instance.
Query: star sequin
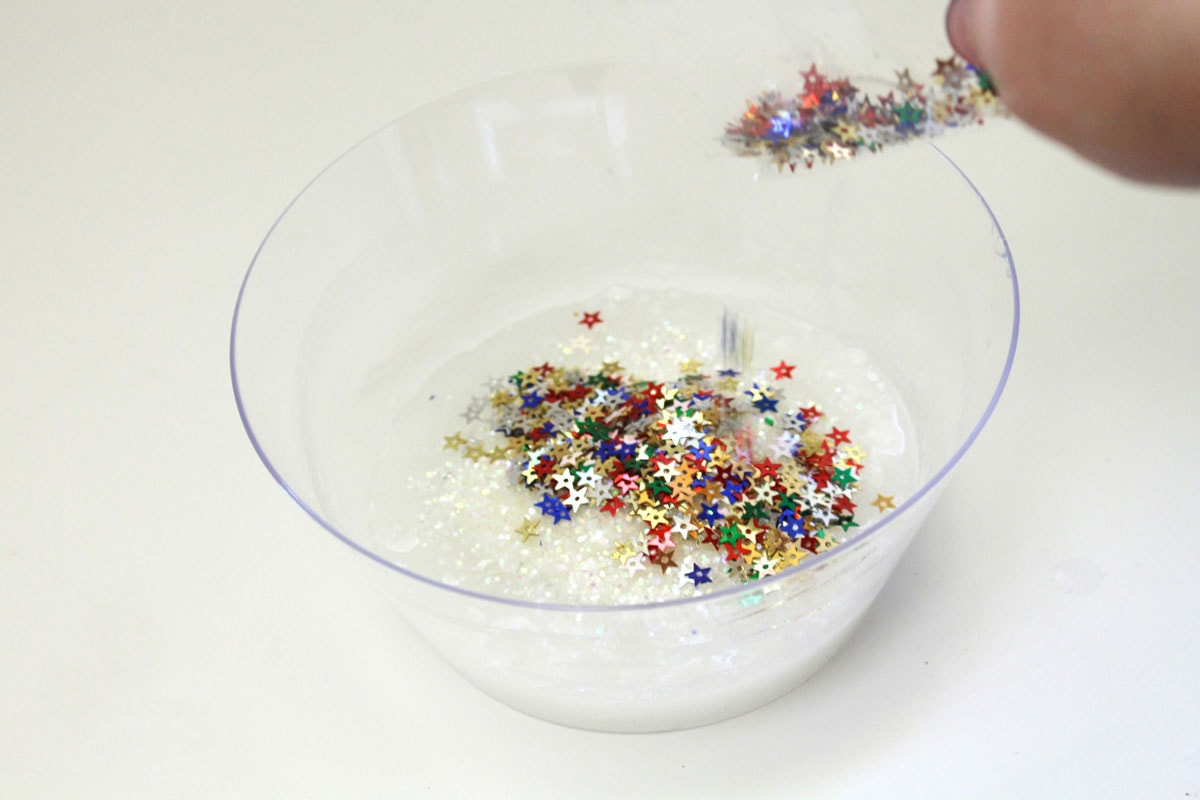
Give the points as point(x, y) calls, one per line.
point(699, 575)
point(854, 453)
point(783, 370)
point(811, 414)
point(950, 73)
point(591, 319)
point(766, 404)
point(665, 559)
point(612, 505)
point(710, 513)
point(635, 564)
point(623, 551)
point(883, 502)
point(528, 529)
point(839, 437)
point(906, 84)
point(764, 566)
point(551, 506)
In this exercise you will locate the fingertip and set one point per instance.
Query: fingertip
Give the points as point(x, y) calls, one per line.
point(960, 28)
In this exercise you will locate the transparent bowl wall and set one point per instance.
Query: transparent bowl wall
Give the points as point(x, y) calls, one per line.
point(535, 191)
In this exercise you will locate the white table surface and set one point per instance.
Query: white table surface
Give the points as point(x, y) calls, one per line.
point(171, 625)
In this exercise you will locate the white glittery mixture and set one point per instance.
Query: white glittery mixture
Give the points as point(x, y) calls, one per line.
point(469, 522)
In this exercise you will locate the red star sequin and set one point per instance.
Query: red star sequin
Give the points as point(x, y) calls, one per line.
point(811, 414)
point(784, 370)
point(767, 468)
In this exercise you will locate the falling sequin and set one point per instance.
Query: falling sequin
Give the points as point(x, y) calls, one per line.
point(831, 119)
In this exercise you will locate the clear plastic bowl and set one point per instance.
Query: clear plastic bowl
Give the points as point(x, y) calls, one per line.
point(535, 191)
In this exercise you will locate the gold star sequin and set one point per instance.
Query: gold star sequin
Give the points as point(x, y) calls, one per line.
point(791, 556)
point(623, 552)
point(811, 441)
point(884, 501)
point(854, 453)
point(528, 529)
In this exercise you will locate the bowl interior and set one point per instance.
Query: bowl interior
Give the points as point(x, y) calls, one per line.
point(442, 252)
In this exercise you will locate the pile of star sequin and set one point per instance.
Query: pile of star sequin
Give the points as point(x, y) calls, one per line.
point(704, 461)
point(831, 119)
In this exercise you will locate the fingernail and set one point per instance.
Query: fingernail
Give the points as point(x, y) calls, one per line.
point(959, 29)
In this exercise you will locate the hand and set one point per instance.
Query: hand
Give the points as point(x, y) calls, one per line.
point(1117, 80)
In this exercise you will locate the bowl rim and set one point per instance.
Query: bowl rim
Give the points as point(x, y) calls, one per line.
point(811, 563)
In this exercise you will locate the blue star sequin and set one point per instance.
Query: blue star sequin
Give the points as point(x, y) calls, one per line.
point(710, 514)
point(626, 450)
point(733, 490)
point(551, 506)
point(702, 450)
point(606, 450)
point(699, 575)
point(781, 128)
point(791, 523)
point(766, 404)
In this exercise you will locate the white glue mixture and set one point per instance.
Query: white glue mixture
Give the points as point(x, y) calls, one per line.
point(639, 447)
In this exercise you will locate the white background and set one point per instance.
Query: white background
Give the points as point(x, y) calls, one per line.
point(171, 625)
